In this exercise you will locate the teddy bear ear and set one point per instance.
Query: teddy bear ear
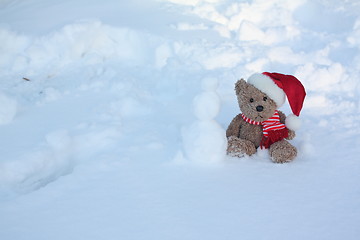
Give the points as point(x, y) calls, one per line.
point(240, 85)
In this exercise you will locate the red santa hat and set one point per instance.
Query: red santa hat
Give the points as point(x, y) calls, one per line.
point(279, 86)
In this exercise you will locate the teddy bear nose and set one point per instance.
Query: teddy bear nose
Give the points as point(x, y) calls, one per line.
point(259, 108)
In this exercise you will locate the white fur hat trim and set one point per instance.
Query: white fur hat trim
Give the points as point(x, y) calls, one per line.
point(269, 87)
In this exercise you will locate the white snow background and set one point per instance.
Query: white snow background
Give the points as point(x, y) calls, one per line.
point(117, 130)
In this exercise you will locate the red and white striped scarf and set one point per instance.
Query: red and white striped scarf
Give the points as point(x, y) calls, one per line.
point(273, 129)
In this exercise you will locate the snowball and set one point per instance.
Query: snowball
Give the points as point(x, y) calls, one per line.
point(8, 108)
point(206, 105)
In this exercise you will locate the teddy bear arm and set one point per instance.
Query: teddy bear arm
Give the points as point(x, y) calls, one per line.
point(234, 127)
point(282, 120)
point(282, 117)
point(291, 135)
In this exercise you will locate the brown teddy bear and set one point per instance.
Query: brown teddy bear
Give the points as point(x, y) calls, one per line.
point(260, 124)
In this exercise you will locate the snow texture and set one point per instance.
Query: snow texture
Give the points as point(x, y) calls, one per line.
point(113, 118)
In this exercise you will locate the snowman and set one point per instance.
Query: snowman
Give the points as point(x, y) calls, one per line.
point(205, 140)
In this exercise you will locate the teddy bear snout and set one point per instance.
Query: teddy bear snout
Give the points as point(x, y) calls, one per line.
point(259, 108)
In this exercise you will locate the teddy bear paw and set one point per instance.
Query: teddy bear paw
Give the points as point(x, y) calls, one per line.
point(239, 147)
point(282, 152)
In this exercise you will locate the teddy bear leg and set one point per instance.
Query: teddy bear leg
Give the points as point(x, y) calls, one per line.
point(239, 147)
point(282, 152)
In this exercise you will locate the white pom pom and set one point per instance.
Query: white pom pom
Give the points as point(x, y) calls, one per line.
point(293, 122)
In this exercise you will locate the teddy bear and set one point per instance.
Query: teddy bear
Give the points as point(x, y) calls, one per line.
point(260, 123)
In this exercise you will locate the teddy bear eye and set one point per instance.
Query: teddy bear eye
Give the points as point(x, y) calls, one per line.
point(251, 100)
point(265, 98)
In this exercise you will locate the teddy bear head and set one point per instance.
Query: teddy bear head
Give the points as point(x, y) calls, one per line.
point(253, 103)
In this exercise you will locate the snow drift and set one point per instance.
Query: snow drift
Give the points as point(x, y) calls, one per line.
point(112, 120)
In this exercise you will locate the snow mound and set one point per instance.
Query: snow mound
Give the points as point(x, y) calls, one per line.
point(90, 42)
point(114, 94)
point(204, 140)
point(41, 166)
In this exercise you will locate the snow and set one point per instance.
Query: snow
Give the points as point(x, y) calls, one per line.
point(113, 118)
point(8, 109)
point(205, 140)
